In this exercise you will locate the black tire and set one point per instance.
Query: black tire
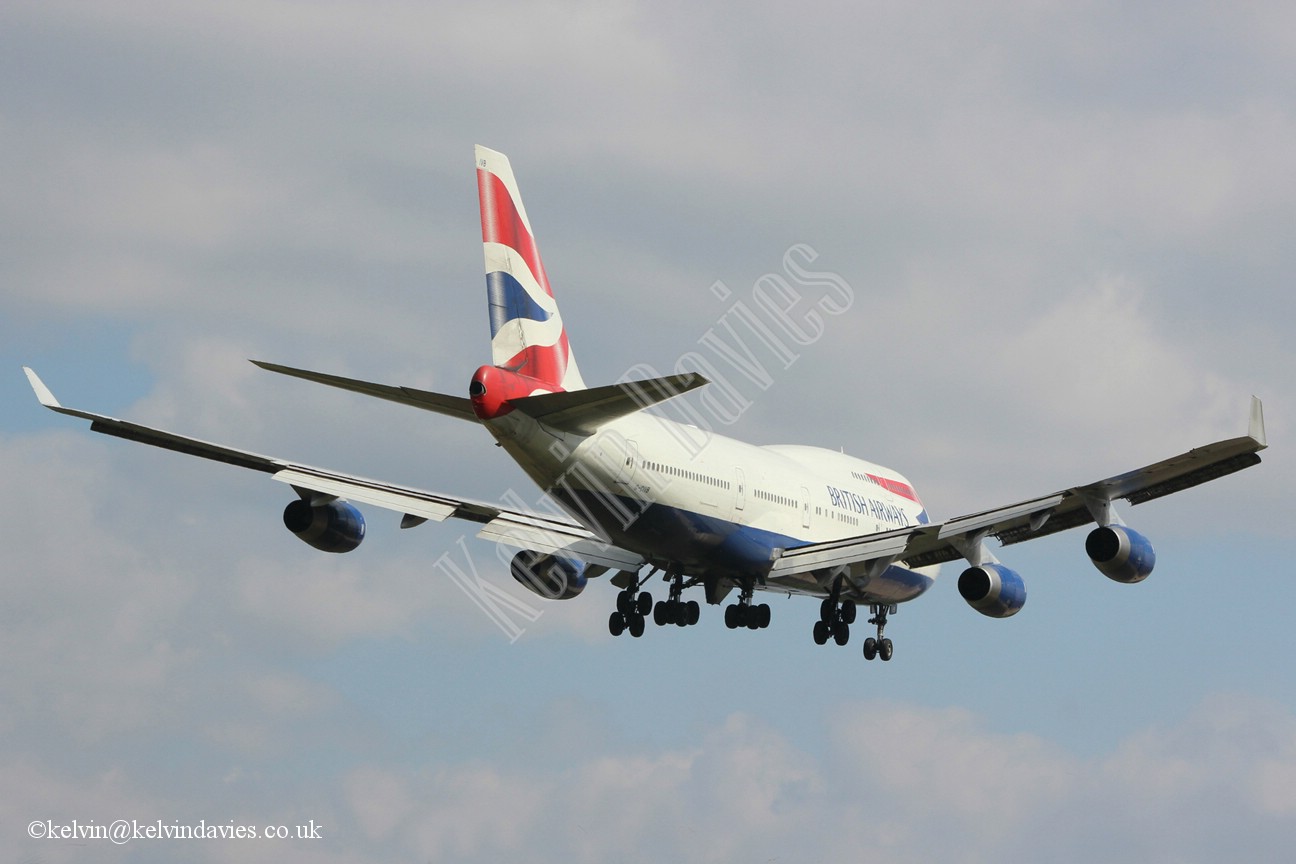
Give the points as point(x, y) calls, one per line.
point(841, 633)
point(694, 612)
point(645, 604)
point(635, 624)
point(821, 633)
point(870, 648)
point(731, 617)
point(625, 602)
point(763, 615)
point(886, 650)
point(616, 624)
point(660, 614)
point(827, 611)
point(848, 611)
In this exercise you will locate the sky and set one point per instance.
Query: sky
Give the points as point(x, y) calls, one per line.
point(1066, 231)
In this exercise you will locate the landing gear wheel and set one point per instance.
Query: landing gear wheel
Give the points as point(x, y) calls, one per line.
point(679, 613)
point(616, 624)
point(870, 648)
point(625, 602)
point(762, 615)
point(841, 633)
point(885, 650)
point(635, 624)
point(645, 604)
point(821, 633)
point(848, 611)
point(660, 614)
point(693, 612)
point(731, 617)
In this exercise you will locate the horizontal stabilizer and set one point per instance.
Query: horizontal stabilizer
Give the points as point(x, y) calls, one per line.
point(454, 406)
point(584, 411)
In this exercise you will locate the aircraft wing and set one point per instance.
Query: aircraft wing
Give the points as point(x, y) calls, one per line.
point(536, 531)
point(924, 545)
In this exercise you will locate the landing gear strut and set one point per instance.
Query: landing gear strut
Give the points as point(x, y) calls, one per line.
point(835, 617)
point(879, 647)
point(744, 614)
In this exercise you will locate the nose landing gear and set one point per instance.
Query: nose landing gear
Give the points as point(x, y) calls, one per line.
point(879, 647)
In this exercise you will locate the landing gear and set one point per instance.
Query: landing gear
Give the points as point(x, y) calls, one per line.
point(634, 606)
point(632, 610)
point(835, 617)
point(676, 610)
point(744, 614)
point(879, 647)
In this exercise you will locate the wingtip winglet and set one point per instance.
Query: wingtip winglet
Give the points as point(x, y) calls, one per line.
point(1256, 428)
point(43, 393)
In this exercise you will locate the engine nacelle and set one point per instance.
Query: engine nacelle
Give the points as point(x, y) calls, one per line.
point(332, 527)
point(1120, 553)
point(993, 589)
point(551, 577)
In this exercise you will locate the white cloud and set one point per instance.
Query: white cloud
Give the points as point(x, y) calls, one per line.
point(918, 783)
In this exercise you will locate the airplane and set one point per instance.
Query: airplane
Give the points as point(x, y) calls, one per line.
point(638, 491)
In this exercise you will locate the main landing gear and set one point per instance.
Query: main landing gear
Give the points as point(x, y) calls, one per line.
point(835, 617)
point(879, 647)
point(744, 614)
point(634, 607)
point(676, 610)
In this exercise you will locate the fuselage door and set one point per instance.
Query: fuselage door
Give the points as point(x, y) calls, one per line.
point(628, 461)
point(805, 507)
point(740, 489)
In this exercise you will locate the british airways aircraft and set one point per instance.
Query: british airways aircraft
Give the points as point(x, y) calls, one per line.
point(639, 492)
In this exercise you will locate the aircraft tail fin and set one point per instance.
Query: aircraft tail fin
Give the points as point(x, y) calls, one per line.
point(527, 332)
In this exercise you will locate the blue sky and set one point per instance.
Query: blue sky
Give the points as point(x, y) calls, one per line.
point(1067, 231)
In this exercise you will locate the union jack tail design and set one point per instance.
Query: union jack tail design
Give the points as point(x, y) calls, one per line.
point(527, 333)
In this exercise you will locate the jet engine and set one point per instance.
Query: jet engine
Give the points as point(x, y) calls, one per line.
point(1120, 553)
point(332, 527)
point(551, 577)
point(993, 590)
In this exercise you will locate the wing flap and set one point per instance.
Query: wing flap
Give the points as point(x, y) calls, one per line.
point(423, 504)
point(511, 531)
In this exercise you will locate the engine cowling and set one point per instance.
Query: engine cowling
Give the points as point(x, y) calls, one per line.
point(332, 527)
point(1120, 553)
point(547, 575)
point(993, 590)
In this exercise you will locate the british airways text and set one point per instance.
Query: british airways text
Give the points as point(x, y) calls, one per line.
point(879, 510)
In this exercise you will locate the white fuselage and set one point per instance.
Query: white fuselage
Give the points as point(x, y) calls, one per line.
point(716, 506)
